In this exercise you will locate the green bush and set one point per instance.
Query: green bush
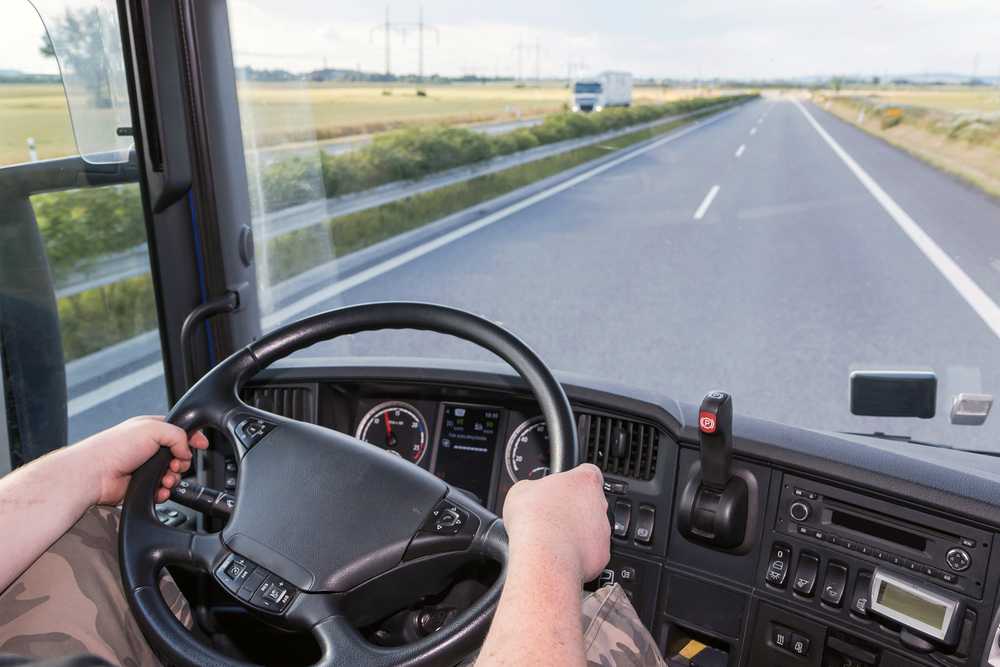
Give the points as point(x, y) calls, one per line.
point(81, 226)
point(415, 152)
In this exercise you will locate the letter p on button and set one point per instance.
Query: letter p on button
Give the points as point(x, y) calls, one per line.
point(706, 421)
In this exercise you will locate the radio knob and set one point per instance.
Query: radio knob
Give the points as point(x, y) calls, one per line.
point(958, 559)
point(800, 511)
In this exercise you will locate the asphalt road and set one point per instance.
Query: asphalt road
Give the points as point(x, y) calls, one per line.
point(792, 276)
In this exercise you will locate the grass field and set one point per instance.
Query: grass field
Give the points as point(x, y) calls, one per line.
point(38, 111)
point(948, 98)
point(284, 113)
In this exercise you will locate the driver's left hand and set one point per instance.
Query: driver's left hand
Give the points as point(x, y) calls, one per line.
point(120, 450)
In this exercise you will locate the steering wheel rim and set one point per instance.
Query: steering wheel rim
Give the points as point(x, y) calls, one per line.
point(145, 545)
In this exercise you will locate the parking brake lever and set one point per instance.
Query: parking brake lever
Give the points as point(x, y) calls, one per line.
point(714, 503)
point(715, 426)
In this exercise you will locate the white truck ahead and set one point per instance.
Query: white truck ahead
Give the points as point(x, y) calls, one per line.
point(607, 89)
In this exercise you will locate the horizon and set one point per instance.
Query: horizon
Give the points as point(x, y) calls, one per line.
point(711, 40)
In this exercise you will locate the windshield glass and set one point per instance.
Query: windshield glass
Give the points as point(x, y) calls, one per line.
point(588, 88)
point(767, 202)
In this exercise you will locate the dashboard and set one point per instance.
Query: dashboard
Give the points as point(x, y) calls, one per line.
point(830, 518)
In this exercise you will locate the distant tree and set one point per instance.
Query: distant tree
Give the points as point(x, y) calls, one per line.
point(46, 49)
point(81, 52)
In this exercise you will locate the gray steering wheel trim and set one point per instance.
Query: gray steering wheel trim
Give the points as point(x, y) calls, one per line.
point(145, 545)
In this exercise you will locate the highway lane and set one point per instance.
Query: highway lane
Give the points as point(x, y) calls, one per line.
point(792, 276)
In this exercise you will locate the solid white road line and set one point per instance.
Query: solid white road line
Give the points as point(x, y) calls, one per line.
point(319, 296)
point(700, 213)
point(963, 284)
point(753, 130)
point(124, 384)
point(739, 151)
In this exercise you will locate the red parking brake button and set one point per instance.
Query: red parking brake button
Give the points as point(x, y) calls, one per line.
point(706, 422)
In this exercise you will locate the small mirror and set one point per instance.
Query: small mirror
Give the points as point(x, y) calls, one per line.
point(893, 394)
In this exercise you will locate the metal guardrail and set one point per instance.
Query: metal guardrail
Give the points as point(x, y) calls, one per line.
point(135, 262)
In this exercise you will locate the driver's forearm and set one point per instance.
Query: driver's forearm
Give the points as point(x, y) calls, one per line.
point(41, 501)
point(538, 618)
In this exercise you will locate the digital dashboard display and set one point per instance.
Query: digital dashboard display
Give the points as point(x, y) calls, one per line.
point(912, 606)
point(467, 447)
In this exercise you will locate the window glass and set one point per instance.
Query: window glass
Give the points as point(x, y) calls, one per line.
point(93, 238)
point(762, 201)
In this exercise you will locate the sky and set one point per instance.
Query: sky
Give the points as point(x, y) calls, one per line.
point(729, 39)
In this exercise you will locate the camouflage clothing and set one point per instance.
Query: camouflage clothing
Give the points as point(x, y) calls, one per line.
point(71, 600)
point(613, 635)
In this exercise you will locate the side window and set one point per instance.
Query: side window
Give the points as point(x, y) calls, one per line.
point(67, 191)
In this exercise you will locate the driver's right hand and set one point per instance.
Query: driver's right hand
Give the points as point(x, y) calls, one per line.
point(565, 516)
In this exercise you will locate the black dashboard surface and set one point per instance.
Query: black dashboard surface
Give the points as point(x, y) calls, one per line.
point(896, 508)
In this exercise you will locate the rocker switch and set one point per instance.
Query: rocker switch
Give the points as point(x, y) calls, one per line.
point(623, 515)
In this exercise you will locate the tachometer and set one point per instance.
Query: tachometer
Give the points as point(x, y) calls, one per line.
point(527, 452)
point(396, 427)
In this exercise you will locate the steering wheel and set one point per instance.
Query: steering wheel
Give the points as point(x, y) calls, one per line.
point(325, 527)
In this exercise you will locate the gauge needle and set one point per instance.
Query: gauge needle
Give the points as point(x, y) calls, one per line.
point(389, 437)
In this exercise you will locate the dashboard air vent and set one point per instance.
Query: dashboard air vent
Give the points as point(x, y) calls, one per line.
point(619, 446)
point(291, 402)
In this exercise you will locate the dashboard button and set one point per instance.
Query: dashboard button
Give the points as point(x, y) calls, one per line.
point(623, 515)
point(805, 575)
point(777, 568)
point(947, 577)
point(958, 559)
point(249, 586)
point(800, 644)
point(847, 544)
point(881, 555)
point(645, 518)
point(896, 559)
point(966, 542)
point(833, 584)
point(864, 549)
point(627, 575)
point(862, 588)
point(781, 637)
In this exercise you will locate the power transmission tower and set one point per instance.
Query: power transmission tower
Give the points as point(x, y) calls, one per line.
point(538, 53)
point(421, 27)
point(519, 48)
point(387, 27)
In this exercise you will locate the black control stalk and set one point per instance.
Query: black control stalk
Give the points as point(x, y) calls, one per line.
point(202, 499)
point(715, 424)
point(714, 503)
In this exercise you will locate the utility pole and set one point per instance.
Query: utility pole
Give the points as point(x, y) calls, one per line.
point(387, 27)
point(420, 28)
point(538, 51)
point(520, 48)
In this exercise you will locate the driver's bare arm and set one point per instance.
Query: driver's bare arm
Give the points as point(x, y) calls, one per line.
point(559, 539)
point(42, 500)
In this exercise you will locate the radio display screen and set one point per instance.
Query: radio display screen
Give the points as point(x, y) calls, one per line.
point(466, 448)
point(911, 606)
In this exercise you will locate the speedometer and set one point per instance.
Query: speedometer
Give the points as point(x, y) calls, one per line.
point(527, 452)
point(396, 427)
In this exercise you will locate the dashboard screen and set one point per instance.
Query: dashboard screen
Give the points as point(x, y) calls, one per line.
point(465, 452)
point(911, 606)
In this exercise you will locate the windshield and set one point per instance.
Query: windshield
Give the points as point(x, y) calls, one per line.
point(764, 202)
point(763, 220)
point(587, 88)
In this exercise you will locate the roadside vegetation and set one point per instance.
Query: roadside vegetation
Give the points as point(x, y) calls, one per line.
point(958, 133)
